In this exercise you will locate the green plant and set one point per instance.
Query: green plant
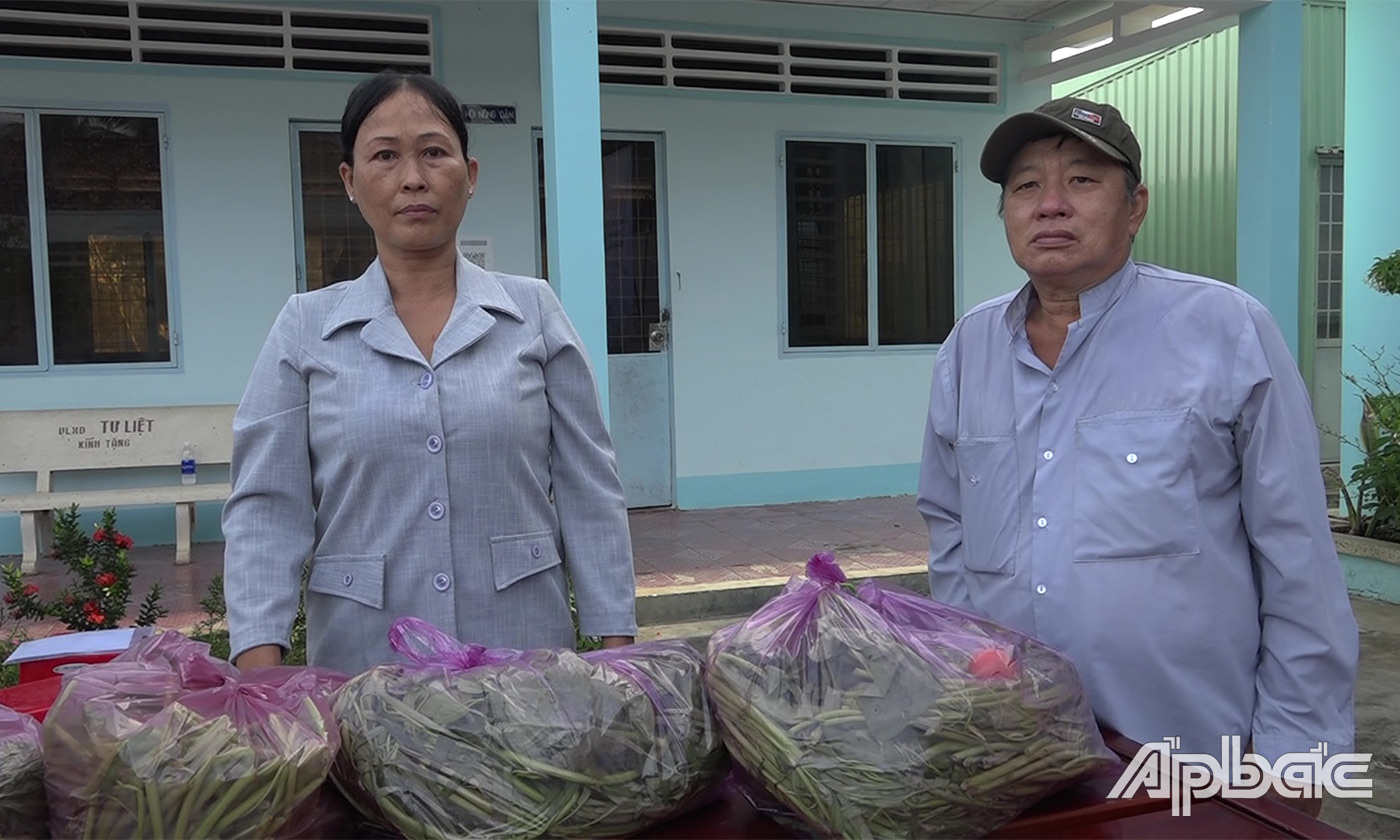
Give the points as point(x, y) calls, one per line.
point(1384, 275)
point(213, 628)
point(101, 590)
point(1373, 501)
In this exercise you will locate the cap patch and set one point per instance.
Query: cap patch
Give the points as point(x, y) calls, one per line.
point(1086, 116)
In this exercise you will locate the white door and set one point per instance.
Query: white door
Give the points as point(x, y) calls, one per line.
point(639, 347)
point(1327, 351)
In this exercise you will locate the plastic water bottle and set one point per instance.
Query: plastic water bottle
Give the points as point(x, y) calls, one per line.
point(187, 475)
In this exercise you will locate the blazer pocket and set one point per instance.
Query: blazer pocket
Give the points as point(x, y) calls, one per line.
point(1134, 489)
point(516, 557)
point(991, 499)
point(356, 577)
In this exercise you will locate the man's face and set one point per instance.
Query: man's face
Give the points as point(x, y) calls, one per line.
point(1069, 219)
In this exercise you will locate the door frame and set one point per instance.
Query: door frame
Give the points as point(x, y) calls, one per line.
point(663, 256)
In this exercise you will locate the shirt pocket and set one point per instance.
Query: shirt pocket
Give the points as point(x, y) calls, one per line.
point(518, 556)
point(1134, 489)
point(356, 577)
point(991, 502)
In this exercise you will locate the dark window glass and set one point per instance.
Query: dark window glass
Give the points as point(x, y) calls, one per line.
point(339, 243)
point(19, 340)
point(826, 243)
point(105, 237)
point(914, 228)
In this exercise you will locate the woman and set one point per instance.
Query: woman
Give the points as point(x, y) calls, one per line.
point(429, 435)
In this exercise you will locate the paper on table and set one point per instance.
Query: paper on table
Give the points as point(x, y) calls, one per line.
point(71, 644)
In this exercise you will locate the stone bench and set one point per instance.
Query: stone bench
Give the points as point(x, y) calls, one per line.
point(109, 442)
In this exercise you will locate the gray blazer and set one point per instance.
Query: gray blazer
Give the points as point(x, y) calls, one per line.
point(458, 491)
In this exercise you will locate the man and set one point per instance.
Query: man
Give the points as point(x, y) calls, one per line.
point(1121, 460)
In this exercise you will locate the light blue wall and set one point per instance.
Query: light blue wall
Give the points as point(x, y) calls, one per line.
point(1372, 173)
point(753, 424)
point(230, 247)
point(1270, 171)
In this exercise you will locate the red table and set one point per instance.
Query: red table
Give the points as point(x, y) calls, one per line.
point(1083, 811)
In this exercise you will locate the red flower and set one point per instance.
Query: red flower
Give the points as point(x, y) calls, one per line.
point(69, 599)
point(99, 535)
point(31, 590)
point(90, 606)
point(9, 597)
point(105, 579)
point(123, 541)
point(96, 617)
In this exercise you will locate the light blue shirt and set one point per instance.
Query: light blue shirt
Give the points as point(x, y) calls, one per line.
point(1153, 507)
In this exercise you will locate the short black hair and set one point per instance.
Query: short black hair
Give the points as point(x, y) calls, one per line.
point(368, 94)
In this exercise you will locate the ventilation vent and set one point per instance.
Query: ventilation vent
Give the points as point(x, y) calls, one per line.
point(683, 60)
point(141, 32)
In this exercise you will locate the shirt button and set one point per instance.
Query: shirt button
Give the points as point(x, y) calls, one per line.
point(535, 551)
point(349, 579)
point(1048, 455)
point(434, 444)
point(972, 479)
point(1054, 386)
point(1132, 458)
point(1040, 590)
point(436, 510)
point(1042, 522)
point(442, 582)
point(426, 380)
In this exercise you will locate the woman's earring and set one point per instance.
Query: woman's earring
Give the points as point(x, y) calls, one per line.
point(352, 199)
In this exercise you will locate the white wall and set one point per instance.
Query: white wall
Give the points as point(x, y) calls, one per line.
point(741, 405)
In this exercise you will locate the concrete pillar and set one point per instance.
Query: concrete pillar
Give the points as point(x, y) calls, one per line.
point(1270, 159)
point(574, 172)
point(1370, 320)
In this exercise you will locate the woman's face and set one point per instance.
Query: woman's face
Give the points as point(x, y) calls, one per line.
point(411, 178)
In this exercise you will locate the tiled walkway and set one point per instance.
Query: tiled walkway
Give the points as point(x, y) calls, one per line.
point(670, 548)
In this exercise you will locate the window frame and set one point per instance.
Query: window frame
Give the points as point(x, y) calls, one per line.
point(872, 252)
point(1324, 161)
point(39, 250)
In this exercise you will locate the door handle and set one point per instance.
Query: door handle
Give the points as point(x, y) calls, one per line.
point(658, 336)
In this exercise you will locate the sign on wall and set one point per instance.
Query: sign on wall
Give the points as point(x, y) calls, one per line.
point(489, 114)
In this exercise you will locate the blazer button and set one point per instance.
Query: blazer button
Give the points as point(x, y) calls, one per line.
point(441, 582)
point(434, 444)
point(426, 380)
point(349, 579)
point(535, 551)
point(436, 510)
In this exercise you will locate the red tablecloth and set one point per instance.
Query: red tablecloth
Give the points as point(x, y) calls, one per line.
point(1083, 811)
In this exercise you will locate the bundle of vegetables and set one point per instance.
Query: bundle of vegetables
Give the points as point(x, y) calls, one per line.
point(24, 812)
point(886, 714)
point(471, 741)
point(166, 741)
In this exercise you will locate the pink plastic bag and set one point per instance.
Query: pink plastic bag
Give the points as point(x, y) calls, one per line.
point(473, 741)
point(24, 811)
point(887, 714)
point(167, 741)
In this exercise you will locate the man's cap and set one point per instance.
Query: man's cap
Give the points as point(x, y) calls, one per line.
point(1098, 124)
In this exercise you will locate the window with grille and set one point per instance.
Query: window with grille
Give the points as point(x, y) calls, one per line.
point(1329, 250)
point(869, 231)
point(82, 240)
point(337, 243)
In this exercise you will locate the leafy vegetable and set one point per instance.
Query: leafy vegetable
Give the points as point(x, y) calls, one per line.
point(867, 727)
point(166, 741)
point(24, 811)
point(535, 744)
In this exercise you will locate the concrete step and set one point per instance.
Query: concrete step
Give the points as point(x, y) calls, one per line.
point(694, 612)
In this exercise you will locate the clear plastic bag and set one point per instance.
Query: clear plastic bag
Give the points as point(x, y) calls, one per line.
point(167, 741)
point(475, 742)
point(24, 810)
point(887, 714)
